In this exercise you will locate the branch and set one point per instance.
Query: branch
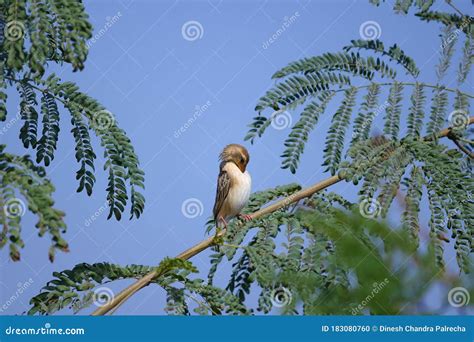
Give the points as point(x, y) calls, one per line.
point(449, 2)
point(453, 137)
point(445, 132)
point(409, 84)
point(203, 245)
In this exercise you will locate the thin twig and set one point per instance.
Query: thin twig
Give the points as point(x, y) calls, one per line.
point(453, 137)
point(467, 141)
point(449, 2)
point(411, 84)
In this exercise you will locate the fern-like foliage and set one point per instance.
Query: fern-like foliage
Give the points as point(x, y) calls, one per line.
point(393, 111)
point(404, 5)
point(336, 134)
point(382, 164)
point(416, 111)
point(121, 161)
point(467, 59)
point(439, 108)
point(22, 181)
point(84, 152)
point(31, 26)
point(367, 113)
point(288, 94)
point(462, 22)
point(3, 95)
point(300, 132)
point(308, 78)
point(352, 63)
point(38, 33)
point(394, 53)
point(448, 41)
point(81, 287)
point(414, 191)
point(64, 291)
point(209, 300)
point(29, 131)
point(296, 89)
point(86, 114)
point(47, 144)
point(450, 202)
point(303, 268)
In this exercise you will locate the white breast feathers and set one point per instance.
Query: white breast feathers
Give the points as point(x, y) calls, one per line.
point(239, 192)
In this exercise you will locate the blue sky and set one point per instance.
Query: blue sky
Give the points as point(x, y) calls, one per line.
point(154, 80)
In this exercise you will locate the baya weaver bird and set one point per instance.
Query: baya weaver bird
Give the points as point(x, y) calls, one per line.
point(233, 185)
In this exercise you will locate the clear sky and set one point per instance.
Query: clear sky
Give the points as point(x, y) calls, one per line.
point(152, 79)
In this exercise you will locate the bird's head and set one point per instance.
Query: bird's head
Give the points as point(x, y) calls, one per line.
point(236, 154)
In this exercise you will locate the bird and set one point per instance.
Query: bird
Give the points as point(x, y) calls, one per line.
point(233, 185)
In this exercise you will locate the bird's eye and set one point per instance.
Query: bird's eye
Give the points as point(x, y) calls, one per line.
point(242, 160)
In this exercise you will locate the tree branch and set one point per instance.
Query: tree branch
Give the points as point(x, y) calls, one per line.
point(203, 245)
point(449, 2)
point(453, 137)
point(409, 84)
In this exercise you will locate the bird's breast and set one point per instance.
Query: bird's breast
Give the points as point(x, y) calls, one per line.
point(239, 192)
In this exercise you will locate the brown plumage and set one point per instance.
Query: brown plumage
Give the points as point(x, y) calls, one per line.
point(233, 184)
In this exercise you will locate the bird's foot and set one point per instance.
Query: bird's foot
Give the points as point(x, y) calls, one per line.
point(245, 217)
point(223, 221)
point(218, 240)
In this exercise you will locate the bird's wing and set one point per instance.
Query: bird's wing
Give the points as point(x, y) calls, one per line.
point(223, 186)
